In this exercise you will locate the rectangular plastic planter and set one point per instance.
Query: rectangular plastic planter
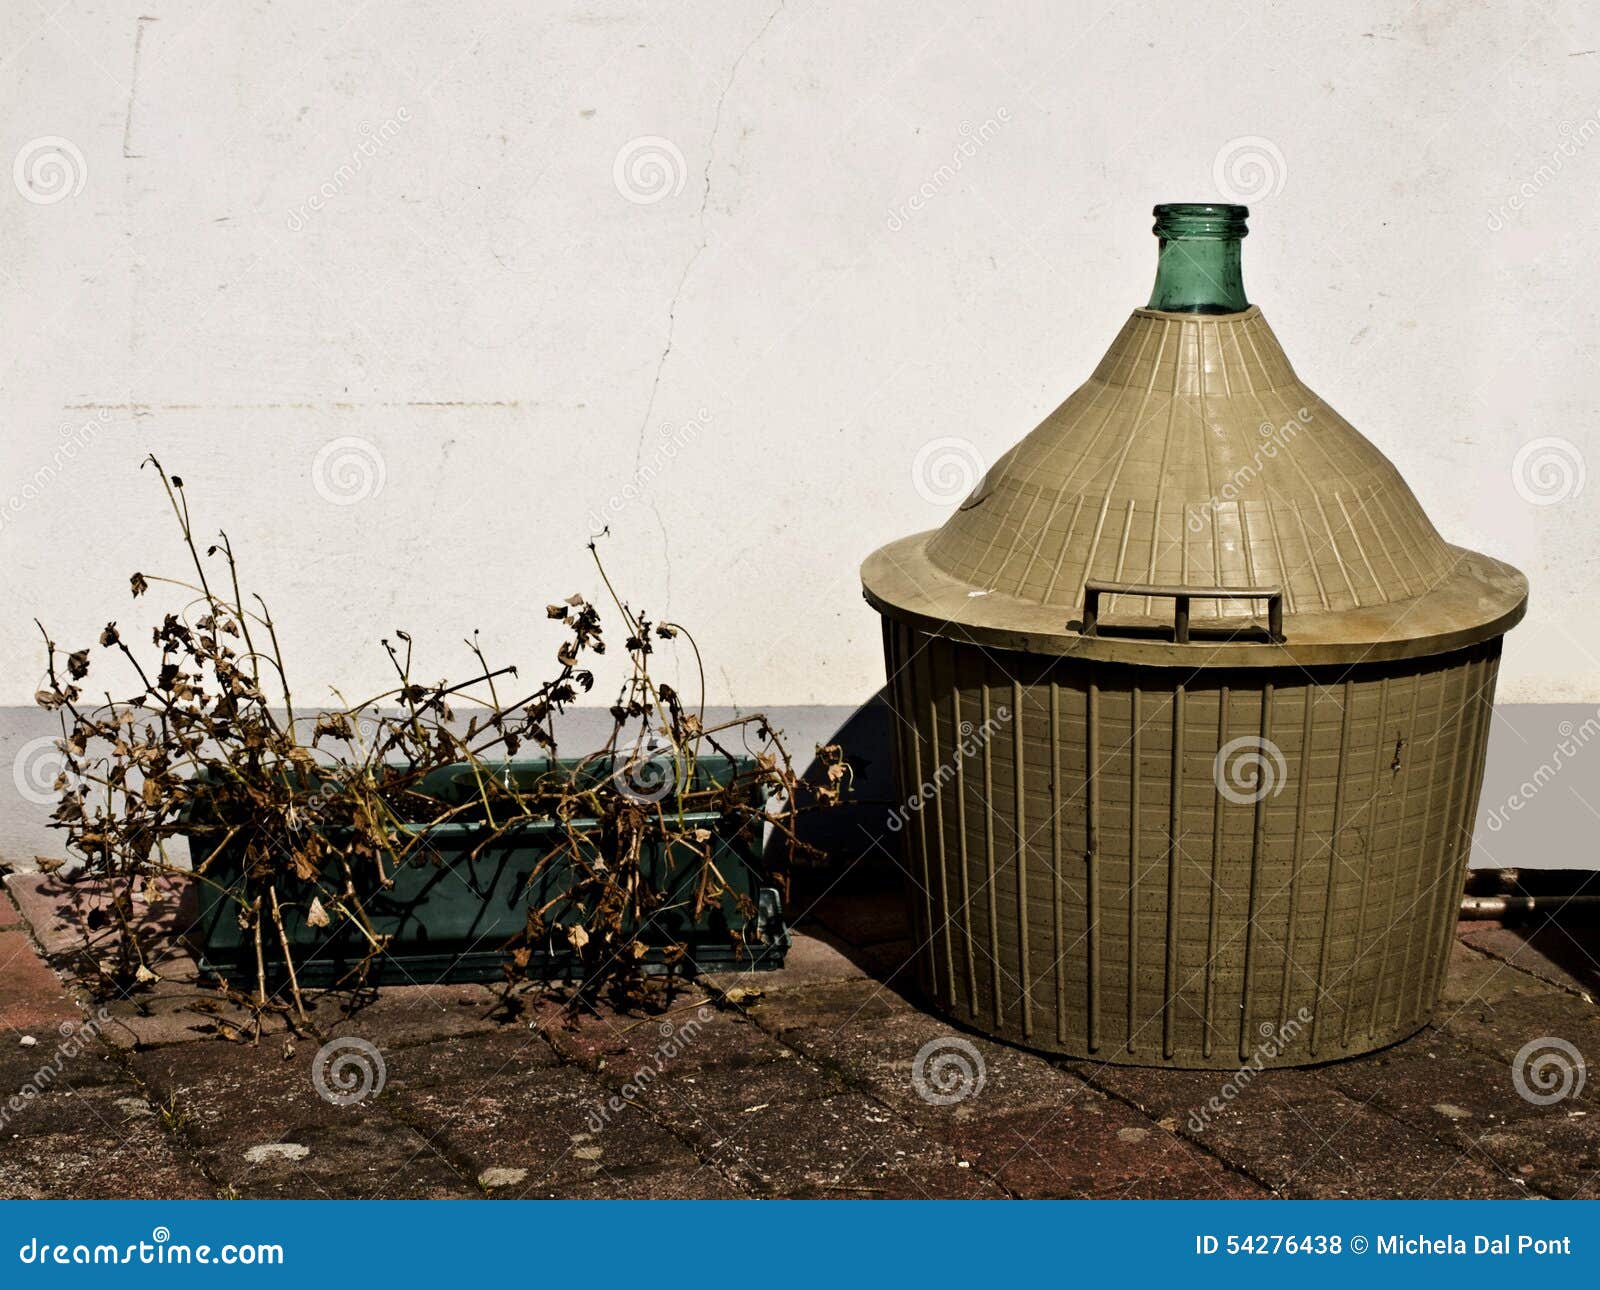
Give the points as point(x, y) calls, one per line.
point(450, 912)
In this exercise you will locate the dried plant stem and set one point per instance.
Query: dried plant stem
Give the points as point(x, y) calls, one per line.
point(261, 966)
point(288, 955)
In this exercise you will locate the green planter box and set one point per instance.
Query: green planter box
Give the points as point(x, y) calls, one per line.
point(451, 912)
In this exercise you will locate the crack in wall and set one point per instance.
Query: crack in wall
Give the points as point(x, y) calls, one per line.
point(133, 89)
point(677, 291)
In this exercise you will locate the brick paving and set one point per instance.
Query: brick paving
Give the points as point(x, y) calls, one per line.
point(795, 1083)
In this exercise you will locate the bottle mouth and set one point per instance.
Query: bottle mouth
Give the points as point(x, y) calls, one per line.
point(1200, 221)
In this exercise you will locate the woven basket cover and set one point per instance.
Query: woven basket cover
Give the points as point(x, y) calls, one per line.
point(1195, 456)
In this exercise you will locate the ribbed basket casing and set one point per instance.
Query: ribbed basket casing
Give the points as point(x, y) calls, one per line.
point(1080, 883)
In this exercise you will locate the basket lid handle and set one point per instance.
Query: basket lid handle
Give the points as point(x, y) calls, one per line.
point(1180, 596)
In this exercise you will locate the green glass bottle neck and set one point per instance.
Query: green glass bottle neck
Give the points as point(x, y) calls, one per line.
point(1197, 267)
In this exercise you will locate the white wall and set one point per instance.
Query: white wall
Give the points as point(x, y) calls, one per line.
point(478, 303)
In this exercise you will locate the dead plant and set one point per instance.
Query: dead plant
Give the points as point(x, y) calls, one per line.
point(317, 811)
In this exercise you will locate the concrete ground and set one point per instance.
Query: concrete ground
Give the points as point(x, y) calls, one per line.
point(796, 1083)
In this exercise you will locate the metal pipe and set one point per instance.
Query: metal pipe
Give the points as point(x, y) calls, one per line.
point(1500, 906)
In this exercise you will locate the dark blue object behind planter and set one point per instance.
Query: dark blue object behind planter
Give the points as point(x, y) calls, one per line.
point(450, 913)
